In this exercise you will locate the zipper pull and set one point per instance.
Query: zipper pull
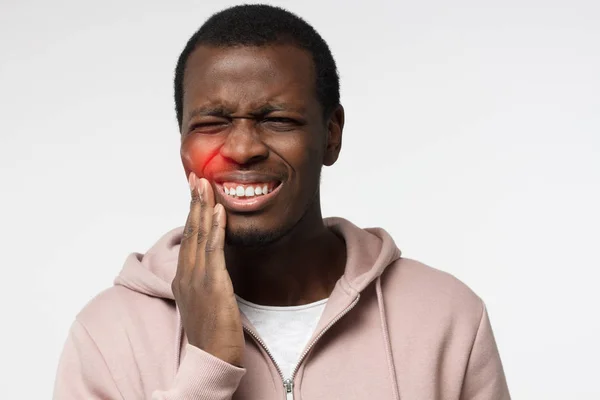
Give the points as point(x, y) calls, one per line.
point(288, 384)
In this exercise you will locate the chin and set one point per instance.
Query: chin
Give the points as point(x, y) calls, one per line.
point(247, 238)
point(253, 235)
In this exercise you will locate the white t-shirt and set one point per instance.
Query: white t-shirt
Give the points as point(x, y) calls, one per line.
point(284, 330)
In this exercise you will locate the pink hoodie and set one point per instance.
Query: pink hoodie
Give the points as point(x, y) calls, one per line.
point(392, 328)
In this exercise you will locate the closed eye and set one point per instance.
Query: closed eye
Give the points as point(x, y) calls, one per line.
point(209, 126)
point(280, 123)
point(280, 119)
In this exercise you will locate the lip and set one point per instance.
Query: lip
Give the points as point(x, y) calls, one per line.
point(252, 204)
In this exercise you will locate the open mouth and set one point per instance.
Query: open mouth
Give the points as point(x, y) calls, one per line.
point(247, 196)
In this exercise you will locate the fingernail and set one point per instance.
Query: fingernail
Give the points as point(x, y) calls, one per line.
point(218, 210)
point(192, 180)
point(201, 183)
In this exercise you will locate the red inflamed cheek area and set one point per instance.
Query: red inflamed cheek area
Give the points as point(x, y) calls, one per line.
point(196, 155)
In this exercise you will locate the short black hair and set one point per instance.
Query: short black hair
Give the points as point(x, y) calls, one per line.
point(260, 25)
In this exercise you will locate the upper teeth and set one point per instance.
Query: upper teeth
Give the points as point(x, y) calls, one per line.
point(248, 191)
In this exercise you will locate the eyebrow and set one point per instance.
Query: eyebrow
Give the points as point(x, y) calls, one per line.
point(222, 111)
point(208, 111)
point(268, 108)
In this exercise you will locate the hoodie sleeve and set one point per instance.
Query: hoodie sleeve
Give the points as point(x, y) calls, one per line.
point(82, 371)
point(202, 376)
point(84, 374)
point(484, 377)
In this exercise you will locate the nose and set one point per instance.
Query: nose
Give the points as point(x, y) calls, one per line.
point(243, 144)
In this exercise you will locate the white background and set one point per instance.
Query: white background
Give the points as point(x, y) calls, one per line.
point(472, 135)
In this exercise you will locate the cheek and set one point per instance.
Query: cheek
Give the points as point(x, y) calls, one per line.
point(310, 159)
point(194, 156)
point(302, 151)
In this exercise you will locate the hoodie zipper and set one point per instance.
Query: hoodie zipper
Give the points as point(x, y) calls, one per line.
point(288, 384)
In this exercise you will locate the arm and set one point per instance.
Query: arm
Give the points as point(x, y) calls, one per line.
point(484, 377)
point(211, 368)
point(84, 374)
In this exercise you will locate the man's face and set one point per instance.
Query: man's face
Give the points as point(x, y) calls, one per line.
point(252, 126)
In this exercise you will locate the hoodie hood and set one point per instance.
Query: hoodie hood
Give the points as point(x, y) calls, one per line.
point(369, 252)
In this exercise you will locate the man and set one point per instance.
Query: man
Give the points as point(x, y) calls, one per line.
point(258, 297)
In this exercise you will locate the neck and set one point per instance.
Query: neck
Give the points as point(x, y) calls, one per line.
point(300, 268)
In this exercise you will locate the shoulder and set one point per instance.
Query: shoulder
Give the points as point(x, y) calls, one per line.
point(119, 313)
point(132, 335)
point(110, 305)
point(430, 290)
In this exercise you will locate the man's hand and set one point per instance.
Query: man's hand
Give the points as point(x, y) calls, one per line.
point(202, 286)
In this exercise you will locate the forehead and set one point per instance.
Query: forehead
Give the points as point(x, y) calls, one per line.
point(246, 76)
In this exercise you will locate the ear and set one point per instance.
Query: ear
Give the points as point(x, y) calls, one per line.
point(335, 126)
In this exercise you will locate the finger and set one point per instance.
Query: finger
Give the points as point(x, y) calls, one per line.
point(207, 203)
point(189, 241)
point(215, 256)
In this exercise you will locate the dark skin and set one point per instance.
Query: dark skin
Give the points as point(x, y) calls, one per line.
point(253, 109)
